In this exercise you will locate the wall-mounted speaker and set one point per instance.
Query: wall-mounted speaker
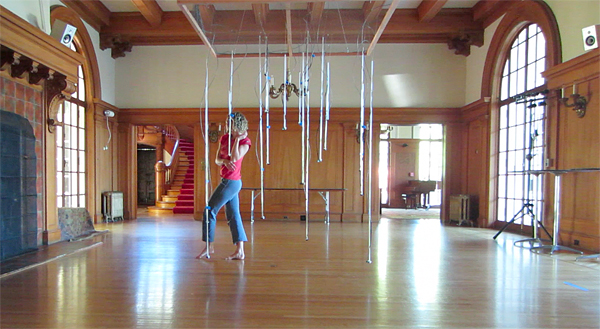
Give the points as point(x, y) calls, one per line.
point(63, 32)
point(590, 37)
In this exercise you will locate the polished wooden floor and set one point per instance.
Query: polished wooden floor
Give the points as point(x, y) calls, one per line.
point(423, 275)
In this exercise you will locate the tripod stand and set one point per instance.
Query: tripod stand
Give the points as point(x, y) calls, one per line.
point(527, 208)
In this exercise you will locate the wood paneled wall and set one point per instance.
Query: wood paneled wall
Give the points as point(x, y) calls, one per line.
point(577, 144)
point(339, 168)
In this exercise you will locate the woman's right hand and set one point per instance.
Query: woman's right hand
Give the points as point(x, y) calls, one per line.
point(229, 165)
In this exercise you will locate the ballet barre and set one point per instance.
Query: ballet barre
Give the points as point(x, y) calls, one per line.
point(323, 192)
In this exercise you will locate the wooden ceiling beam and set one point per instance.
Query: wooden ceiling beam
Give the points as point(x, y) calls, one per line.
point(403, 27)
point(174, 30)
point(371, 10)
point(260, 13)
point(189, 2)
point(150, 10)
point(93, 12)
point(388, 15)
point(207, 15)
point(488, 11)
point(315, 10)
point(429, 8)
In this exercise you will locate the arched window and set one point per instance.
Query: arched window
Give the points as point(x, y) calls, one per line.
point(525, 43)
point(74, 165)
point(521, 128)
point(71, 147)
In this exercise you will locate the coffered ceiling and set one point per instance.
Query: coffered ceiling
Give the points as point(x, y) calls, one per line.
point(345, 26)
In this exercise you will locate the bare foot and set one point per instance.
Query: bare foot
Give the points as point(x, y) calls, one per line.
point(205, 254)
point(239, 252)
point(236, 256)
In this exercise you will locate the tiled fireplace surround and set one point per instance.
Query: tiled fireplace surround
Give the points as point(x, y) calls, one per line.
point(26, 101)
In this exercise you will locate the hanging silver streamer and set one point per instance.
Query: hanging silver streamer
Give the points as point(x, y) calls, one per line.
point(285, 94)
point(370, 165)
point(268, 84)
point(362, 124)
point(206, 160)
point(322, 100)
point(327, 108)
point(230, 102)
point(303, 100)
point(260, 131)
point(307, 125)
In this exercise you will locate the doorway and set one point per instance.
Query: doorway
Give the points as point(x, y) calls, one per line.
point(411, 166)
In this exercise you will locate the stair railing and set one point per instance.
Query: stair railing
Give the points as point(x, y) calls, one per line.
point(165, 172)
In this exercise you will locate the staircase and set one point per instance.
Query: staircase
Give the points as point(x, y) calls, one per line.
point(180, 197)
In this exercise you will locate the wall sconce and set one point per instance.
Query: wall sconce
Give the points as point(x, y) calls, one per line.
point(214, 132)
point(285, 88)
point(578, 104)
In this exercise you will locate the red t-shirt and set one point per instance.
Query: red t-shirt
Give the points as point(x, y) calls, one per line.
point(224, 154)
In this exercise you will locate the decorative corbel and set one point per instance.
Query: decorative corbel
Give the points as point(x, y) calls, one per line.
point(38, 73)
point(116, 43)
point(462, 42)
point(20, 66)
point(6, 58)
point(58, 88)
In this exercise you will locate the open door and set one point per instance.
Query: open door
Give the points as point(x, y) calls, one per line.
point(404, 154)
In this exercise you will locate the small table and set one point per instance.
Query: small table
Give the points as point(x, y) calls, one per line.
point(557, 178)
point(323, 192)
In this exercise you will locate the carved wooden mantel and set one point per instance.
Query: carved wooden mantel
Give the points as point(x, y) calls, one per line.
point(36, 58)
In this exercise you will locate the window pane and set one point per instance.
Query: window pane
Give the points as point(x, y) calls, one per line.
point(541, 47)
point(82, 183)
point(59, 183)
point(531, 76)
point(74, 114)
point(514, 54)
point(82, 201)
point(81, 110)
point(59, 113)
point(73, 139)
point(437, 132)
point(502, 164)
point(522, 55)
point(519, 134)
point(81, 161)
point(513, 84)
point(67, 112)
point(504, 89)
point(74, 185)
point(531, 54)
point(520, 81)
point(81, 139)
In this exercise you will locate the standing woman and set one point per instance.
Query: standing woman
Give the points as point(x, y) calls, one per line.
point(226, 194)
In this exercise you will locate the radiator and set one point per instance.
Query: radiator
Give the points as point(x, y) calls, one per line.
point(460, 209)
point(112, 206)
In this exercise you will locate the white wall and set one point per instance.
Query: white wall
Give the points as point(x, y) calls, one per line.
point(37, 12)
point(405, 76)
point(572, 16)
point(476, 63)
point(33, 11)
point(106, 64)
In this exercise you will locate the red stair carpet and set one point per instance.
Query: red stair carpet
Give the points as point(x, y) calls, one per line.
point(185, 199)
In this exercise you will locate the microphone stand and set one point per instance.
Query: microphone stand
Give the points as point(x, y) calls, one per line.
point(527, 208)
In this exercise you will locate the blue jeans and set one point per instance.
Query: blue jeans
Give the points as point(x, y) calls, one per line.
point(226, 195)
